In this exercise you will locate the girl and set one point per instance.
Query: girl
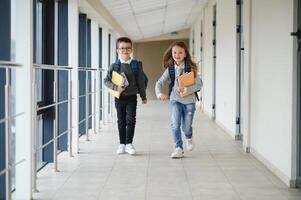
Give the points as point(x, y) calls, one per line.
point(176, 61)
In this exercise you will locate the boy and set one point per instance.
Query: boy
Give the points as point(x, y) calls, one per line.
point(126, 105)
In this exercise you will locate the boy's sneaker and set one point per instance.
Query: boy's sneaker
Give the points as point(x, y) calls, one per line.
point(130, 149)
point(121, 149)
point(177, 153)
point(189, 144)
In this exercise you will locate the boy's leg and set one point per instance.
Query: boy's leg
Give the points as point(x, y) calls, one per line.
point(188, 111)
point(175, 116)
point(131, 108)
point(121, 119)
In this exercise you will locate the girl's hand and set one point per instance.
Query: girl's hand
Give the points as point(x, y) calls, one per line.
point(120, 89)
point(163, 97)
point(180, 89)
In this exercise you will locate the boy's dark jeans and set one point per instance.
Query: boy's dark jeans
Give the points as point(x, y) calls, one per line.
point(126, 107)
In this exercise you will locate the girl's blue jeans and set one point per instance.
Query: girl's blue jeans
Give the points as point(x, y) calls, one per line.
point(181, 116)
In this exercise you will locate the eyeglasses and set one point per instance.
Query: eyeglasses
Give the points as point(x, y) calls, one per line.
point(125, 49)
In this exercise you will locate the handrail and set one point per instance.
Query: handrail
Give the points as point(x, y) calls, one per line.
point(9, 64)
point(11, 117)
point(52, 67)
point(93, 92)
point(87, 69)
point(11, 166)
point(62, 67)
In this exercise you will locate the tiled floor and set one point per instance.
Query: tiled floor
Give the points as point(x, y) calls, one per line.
point(217, 168)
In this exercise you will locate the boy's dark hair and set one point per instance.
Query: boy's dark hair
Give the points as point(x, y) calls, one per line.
point(123, 39)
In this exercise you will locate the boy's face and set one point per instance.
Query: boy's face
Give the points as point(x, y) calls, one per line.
point(124, 50)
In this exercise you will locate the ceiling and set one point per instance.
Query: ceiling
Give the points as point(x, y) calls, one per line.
point(143, 19)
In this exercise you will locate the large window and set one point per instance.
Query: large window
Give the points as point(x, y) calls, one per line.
point(85, 87)
point(50, 48)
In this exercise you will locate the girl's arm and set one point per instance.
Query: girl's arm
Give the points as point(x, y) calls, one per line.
point(159, 84)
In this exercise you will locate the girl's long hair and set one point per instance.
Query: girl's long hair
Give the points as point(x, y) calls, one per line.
point(168, 60)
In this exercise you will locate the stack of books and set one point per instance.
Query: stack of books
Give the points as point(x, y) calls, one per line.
point(186, 80)
point(119, 80)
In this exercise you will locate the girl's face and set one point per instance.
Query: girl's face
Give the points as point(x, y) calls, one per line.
point(178, 54)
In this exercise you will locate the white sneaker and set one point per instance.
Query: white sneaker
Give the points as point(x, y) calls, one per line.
point(130, 149)
point(121, 149)
point(177, 153)
point(189, 144)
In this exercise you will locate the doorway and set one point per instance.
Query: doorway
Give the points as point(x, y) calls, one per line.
point(214, 64)
point(297, 34)
point(240, 70)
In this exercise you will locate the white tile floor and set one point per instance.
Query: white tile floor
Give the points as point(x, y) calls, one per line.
point(216, 169)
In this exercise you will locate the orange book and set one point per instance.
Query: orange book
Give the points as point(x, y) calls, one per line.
point(186, 80)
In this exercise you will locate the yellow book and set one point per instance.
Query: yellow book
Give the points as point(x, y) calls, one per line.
point(114, 93)
point(118, 80)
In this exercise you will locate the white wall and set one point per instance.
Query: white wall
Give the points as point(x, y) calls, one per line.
point(95, 75)
point(24, 99)
point(208, 54)
point(271, 84)
point(226, 65)
point(268, 77)
point(73, 62)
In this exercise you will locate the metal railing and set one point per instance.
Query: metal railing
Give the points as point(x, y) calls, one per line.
point(8, 67)
point(8, 117)
point(55, 105)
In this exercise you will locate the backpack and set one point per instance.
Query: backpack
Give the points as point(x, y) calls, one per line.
point(172, 76)
point(134, 65)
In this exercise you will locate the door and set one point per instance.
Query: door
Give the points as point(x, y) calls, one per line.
point(297, 34)
point(214, 64)
point(240, 70)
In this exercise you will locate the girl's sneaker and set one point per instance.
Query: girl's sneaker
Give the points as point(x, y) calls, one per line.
point(189, 144)
point(121, 149)
point(177, 153)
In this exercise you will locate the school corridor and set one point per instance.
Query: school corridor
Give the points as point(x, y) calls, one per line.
point(58, 122)
point(217, 168)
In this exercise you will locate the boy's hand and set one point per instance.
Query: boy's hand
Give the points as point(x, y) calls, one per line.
point(120, 89)
point(144, 101)
point(163, 97)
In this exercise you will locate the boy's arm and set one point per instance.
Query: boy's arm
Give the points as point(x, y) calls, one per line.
point(107, 80)
point(159, 84)
point(141, 82)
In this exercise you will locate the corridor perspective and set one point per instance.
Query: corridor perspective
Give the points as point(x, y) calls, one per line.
point(217, 168)
point(59, 136)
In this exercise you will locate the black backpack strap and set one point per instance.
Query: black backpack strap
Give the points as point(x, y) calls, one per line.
point(187, 68)
point(172, 76)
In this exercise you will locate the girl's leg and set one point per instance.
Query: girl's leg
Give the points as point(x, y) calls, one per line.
point(175, 116)
point(188, 111)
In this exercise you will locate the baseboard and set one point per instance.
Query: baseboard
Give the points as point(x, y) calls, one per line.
point(295, 183)
point(207, 113)
point(289, 182)
point(233, 135)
